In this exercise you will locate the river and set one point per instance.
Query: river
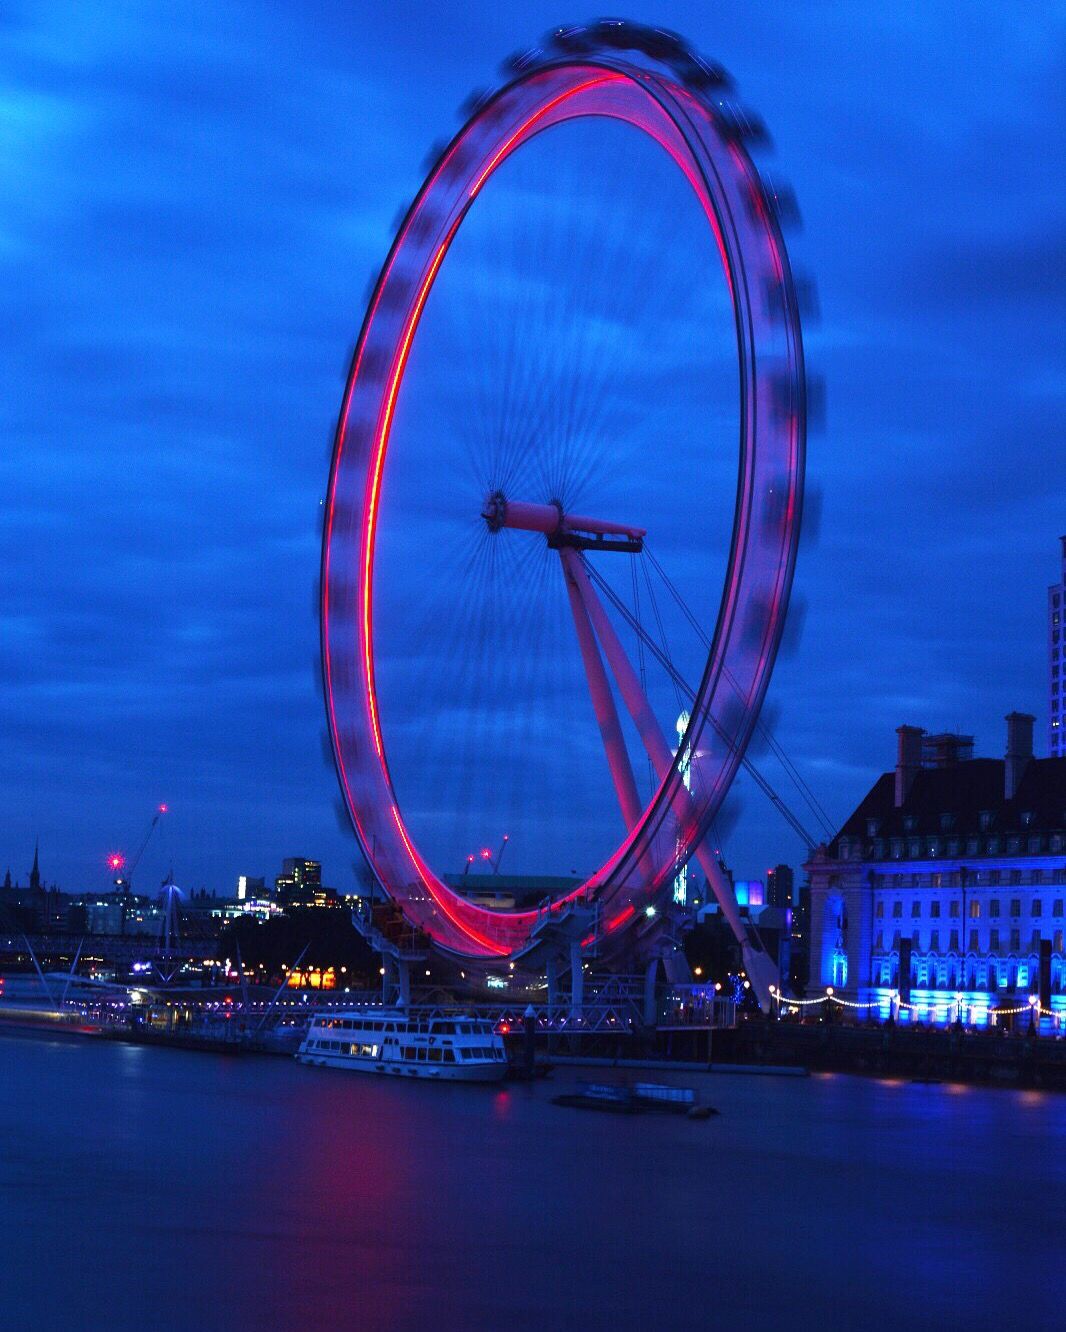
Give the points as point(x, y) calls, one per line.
point(151, 1189)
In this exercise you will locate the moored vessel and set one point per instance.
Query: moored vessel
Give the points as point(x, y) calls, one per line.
point(446, 1047)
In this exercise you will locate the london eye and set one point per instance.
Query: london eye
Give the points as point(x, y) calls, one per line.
point(564, 502)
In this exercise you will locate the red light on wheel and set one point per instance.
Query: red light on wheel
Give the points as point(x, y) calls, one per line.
point(116, 860)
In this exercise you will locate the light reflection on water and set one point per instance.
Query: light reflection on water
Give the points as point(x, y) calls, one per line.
point(147, 1188)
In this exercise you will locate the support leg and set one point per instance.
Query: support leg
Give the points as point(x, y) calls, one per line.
point(760, 968)
point(651, 974)
point(577, 980)
point(603, 704)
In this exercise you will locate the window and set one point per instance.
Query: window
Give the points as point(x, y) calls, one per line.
point(934, 941)
point(947, 822)
point(975, 909)
point(1038, 907)
point(1034, 942)
point(985, 820)
point(915, 848)
point(953, 945)
point(1056, 909)
point(993, 907)
point(895, 940)
point(993, 878)
point(973, 941)
point(872, 826)
point(909, 823)
point(879, 946)
point(1036, 877)
point(1015, 877)
point(934, 908)
point(1056, 942)
point(1016, 906)
point(933, 847)
point(916, 909)
point(1015, 940)
point(879, 910)
point(953, 907)
point(897, 909)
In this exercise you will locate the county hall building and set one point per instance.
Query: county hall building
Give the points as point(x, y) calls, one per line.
point(947, 885)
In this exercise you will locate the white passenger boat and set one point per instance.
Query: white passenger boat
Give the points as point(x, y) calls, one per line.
point(456, 1048)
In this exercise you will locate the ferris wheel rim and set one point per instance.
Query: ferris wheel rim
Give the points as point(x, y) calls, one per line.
point(575, 76)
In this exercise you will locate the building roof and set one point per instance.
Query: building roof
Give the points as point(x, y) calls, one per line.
point(964, 791)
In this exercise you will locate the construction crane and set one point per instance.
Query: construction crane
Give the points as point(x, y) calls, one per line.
point(117, 861)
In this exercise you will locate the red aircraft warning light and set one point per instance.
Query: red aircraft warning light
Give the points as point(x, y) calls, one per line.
point(116, 860)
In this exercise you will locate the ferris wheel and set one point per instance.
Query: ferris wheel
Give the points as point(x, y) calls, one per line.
point(584, 308)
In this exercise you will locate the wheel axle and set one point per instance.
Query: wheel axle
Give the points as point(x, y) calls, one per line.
point(561, 529)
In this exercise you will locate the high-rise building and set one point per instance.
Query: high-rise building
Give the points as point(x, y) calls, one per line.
point(300, 884)
point(779, 883)
point(1056, 637)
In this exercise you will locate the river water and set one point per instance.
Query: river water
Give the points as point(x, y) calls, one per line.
point(151, 1189)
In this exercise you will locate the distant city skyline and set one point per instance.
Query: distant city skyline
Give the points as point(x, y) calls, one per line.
point(179, 317)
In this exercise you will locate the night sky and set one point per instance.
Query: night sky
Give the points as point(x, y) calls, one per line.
point(193, 198)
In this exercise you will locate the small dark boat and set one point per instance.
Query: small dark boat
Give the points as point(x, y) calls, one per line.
point(640, 1097)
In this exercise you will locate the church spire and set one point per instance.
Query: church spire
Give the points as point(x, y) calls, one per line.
point(35, 873)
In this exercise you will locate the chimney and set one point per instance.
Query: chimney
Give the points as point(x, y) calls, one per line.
point(908, 759)
point(1019, 750)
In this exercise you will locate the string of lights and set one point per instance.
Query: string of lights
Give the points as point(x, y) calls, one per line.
point(941, 1005)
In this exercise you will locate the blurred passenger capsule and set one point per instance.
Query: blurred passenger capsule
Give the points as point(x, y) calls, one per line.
point(795, 623)
point(815, 400)
point(477, 101)
point(781, 199)
point(699, 74)
point(573, 38)
point(811, 525)
point(740, 125)
point(522, 61)
point(660, 43)
point(614, 32)
point(807, 298)
point(433, 156)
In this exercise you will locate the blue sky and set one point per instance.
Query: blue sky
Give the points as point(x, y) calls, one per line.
point(192, 199)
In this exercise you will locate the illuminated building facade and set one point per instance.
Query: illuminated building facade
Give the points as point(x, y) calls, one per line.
point(952, 868)
point(1056, 637)
point(300, 883)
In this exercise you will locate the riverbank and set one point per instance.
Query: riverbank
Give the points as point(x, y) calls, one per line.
point(977, 1058)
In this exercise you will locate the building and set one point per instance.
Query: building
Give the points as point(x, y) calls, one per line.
point(945, 889)
point(300, 884)
point(779, 884)
point(249, 888)
point(1056, 638)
